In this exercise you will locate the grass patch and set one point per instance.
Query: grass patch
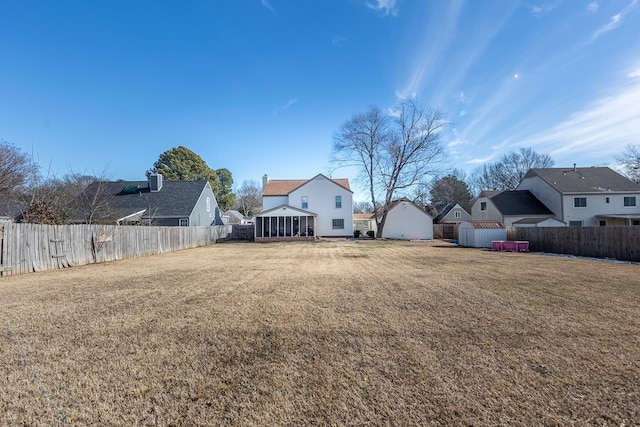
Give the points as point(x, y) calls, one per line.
point(335, 332)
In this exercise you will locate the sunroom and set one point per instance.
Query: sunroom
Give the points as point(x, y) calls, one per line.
point(285, 223)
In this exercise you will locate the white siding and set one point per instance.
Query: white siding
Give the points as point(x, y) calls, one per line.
point(406, 221)
point(270, 202)
point(321, 193)
point(596, 205)
point(479, 237)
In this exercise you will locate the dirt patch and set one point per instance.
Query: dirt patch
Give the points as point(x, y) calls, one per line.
point(334, 332)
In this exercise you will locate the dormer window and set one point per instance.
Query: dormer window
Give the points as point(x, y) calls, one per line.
point(483, 206)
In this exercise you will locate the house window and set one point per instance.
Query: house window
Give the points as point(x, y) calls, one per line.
point(636, 222)
point(483, 206)
point(457, 214)
point(338, 202)
point(575, 223)
point(607, 200)
point(184, 222)
point(630, 201)
point(208, 204)
point(305, 202)
point(580, 202)
point(603, 223)
point(337, 224)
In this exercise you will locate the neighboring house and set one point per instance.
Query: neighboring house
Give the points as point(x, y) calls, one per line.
point(585, 196)
point(365, 222)
point(452, 214)
point(538, 222)
point(160, 202)
point(407, 221)
point(10, 210)
point(233, 217)
point(300, 209)
point(508, 207)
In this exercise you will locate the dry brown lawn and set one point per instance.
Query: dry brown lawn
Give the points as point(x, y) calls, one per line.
point(324, 333)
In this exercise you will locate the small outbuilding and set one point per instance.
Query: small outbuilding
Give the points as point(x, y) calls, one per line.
point(407, 221)
point(480, 234)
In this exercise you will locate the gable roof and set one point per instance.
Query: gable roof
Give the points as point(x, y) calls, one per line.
point(10, 208)
point(363, 216)
point(405, 200)
point(584, 180)
point(536, 220)
point(518, 202)
point(282, 187)
point(270, 212)
point(175, 198)
point(442, 212)
point(446, 210)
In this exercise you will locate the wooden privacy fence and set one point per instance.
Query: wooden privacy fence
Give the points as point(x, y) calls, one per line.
point(36, 247)
point(617, 242)
point(445, 231)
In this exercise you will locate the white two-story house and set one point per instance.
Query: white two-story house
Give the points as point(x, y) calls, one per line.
point(300, 209)
point(585, 196)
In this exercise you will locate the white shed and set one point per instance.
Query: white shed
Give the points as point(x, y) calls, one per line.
point(480, 234)
point(406, 221)
point(539, 222)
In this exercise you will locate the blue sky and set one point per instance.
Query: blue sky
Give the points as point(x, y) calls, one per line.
point(261, 86)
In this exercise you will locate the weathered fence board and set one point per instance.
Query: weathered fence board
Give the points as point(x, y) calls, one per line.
point(36, 247)
point(445, 231)
point(617, 242)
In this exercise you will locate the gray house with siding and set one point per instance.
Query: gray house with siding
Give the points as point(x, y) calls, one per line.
point(589, 196)
point(158, 202)
point(509, 207)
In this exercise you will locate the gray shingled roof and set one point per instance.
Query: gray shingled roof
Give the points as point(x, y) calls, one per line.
point(585, 180)
point(10, 208)
point(519, 202)
point(175, 198)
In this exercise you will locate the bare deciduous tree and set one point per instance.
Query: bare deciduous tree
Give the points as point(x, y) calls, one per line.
point(249, 198)
point(359, 143)
point(630, 161)
point(17, 169)
point(507, 172)
point(394, 153)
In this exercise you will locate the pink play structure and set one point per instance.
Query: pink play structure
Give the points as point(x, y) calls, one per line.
point(510, 245)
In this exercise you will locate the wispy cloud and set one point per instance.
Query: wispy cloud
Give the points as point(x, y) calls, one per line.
point(539, 10)
point(479, 161)
point(614, 21)
point(605, 126)
point(286, 107)
point(431, 50)
point(266, 4)
point(387, 7)
point(338, 40)
point(290, 103)
point(593, 7)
